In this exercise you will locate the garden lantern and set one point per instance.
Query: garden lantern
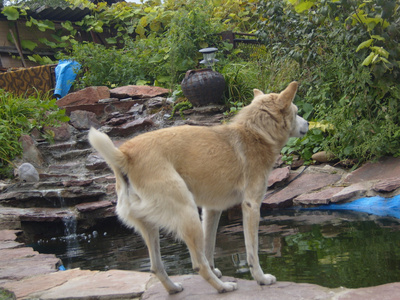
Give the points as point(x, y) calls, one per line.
point(204, 86)
point(209, 56)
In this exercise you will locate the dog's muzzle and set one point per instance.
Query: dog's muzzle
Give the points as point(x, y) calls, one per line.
point(301, 127)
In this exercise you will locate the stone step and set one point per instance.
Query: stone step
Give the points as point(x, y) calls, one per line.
point(70, 154)
point(52, 194)
point(65, 146)
point(36, 220)
point(75, 168)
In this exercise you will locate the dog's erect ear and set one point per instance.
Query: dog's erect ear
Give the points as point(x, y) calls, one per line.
point(257, 93)
point(287, 95)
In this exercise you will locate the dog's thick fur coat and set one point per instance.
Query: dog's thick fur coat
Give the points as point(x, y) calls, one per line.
point(164, 175)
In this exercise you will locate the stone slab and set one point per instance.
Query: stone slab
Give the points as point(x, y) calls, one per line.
point(389, 291)
point(387, 186)
point(45, 214)
point(91, 206)
point(385, 168)
point(7, 239)
point(113, 284)
point(36, 284)
point(304, 184)
point(101, 109)
point(89, 95)
point(195, 287)
point(8, 235)
point(138, 91)
point(350, 192)
point(19, 263)
point(278, 175)
point(317, 198)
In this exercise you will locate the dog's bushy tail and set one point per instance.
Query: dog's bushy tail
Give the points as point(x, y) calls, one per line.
point(112, 155)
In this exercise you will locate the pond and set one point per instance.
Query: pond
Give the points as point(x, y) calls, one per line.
point(329, 248)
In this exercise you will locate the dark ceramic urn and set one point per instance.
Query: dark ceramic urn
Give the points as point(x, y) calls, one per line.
point(203, 87)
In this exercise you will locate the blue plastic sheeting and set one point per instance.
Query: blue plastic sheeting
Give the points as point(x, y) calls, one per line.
point(66, 72)
point(378, 206)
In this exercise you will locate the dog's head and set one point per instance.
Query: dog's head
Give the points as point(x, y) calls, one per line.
point(281, 109)
point(273, 116)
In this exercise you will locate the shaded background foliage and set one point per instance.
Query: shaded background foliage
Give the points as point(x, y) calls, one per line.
point(349, 55)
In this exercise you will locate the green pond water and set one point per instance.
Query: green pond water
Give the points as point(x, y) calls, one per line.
point(329, 248)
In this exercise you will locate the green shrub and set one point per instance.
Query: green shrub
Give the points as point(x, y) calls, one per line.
point(254, 67)
point(161, 58)
point(349, 57)
point(18, 116)
point(106, 66)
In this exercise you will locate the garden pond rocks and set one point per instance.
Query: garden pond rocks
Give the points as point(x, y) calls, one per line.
point(75, 182)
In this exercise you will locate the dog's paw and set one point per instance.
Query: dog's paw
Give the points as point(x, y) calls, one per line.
point(217, 272)
point(228, 287)
point(176, 289)
point(266, 279)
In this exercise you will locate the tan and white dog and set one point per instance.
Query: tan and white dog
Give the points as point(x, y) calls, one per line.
point(164, 175)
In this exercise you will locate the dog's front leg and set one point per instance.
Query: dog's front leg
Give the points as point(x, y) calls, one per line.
point(251, 220)
point(210, 226)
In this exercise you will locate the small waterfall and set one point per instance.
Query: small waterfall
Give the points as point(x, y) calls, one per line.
point(70, 236)
point(70, 224)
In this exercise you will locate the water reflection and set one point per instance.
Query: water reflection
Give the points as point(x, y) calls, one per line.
point(324, 247)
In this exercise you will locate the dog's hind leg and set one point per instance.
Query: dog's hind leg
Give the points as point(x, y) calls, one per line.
point(210, 226)
point(190, 230)
point(151, 236)
point(251, 220)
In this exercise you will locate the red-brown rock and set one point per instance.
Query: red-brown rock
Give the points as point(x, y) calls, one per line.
point(387, 186)
point(278, 175)
point(321, 197)
point(89, 95)
point(385, 168)
point(19, 263)
point(138, 91)
point(304, 184)
point(350, 192)
point(61, 133)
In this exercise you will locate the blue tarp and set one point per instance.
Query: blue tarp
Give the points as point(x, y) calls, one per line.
point(379, 206)
point(66, 72)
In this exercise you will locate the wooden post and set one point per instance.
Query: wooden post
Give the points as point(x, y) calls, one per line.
point(18, 48)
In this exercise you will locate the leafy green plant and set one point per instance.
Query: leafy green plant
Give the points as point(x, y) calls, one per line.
point(18, 116)
point(181, 106)
point(234, 108)
point(5, 294)
point(239, 84)
point(304, 147)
